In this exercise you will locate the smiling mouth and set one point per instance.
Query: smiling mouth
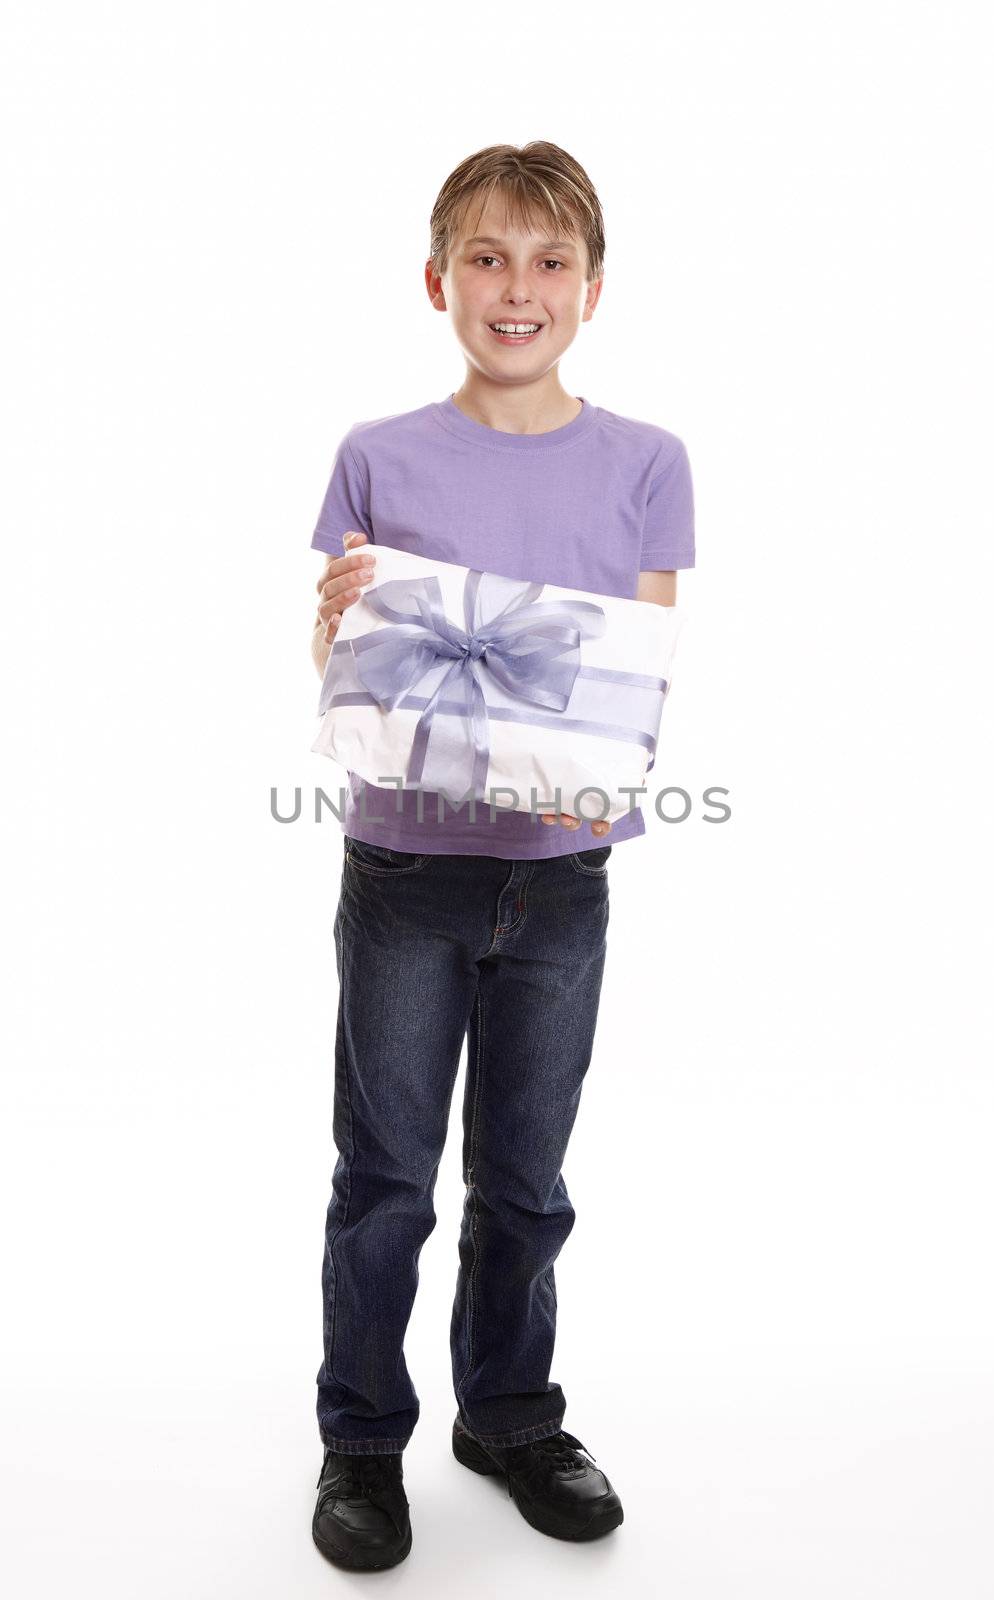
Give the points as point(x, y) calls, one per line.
point(515, 338)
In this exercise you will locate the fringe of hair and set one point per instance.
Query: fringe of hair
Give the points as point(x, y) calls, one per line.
point(540, 183)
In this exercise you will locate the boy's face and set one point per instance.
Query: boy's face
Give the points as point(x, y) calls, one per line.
point(500, 274)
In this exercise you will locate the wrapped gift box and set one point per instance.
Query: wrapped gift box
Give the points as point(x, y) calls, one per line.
point(464, 682)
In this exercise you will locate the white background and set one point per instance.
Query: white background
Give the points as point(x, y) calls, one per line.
point(776, 1319)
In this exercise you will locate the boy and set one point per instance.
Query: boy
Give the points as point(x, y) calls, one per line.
point(491, 929)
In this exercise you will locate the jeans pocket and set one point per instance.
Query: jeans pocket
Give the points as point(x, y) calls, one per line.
point(380, 861)
point(591, 863)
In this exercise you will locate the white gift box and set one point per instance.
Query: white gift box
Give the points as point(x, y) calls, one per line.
point(528, 696)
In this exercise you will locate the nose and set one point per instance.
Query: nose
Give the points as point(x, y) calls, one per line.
point(517, 288)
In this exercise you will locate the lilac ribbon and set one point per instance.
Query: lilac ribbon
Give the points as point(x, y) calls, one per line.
point(532, 649)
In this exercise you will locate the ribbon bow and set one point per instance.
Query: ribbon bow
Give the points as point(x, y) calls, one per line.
point(531, 649)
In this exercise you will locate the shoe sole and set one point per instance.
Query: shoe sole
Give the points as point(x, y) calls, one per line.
point(359, 1560)
point(472, 1455)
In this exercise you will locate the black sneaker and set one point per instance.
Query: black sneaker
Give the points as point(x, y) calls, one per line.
point(362, 1519)
point(550, 1482)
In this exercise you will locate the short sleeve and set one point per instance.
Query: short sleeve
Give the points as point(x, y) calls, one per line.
point(668, 539)
point(346, 503)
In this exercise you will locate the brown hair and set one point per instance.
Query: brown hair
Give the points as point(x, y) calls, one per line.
point(539, 182)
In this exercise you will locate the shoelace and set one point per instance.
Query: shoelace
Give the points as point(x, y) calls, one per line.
point(560, 1450)
point(360, 1475)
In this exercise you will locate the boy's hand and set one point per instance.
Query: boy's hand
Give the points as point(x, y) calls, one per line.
point(549, 817)
point(341, 582)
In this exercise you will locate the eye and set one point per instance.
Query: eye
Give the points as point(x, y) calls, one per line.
point(549, 261)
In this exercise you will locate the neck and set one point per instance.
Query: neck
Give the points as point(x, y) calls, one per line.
point(519, 408)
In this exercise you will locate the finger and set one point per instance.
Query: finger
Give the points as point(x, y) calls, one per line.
point(350, 540)
point(363, 562)
point(347, 570)
point(600, 827)
point(337, 565)
point(326, 572)
point(355, 576)
point(349, 583)
point(338, 602)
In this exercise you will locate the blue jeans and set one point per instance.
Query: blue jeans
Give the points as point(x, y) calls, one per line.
point(431, 948)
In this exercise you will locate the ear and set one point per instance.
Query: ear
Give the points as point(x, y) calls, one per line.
point(593, 295)
point(433, 284)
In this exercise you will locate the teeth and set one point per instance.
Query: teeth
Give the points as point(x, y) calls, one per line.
point(516, 327)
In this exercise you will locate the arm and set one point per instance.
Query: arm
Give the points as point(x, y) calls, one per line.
point(659, 587)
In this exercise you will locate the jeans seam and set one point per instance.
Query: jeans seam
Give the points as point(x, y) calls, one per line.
point(538, 1430)
point(586, 872)
point(386, 872)
point(362, 1447)
point(474, 1209)
point(522, 898)
point(330, 1355)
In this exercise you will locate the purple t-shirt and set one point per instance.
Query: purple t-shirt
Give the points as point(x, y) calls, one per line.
point(589, 506)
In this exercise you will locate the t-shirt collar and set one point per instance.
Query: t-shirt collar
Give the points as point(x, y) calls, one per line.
point(457, 422)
